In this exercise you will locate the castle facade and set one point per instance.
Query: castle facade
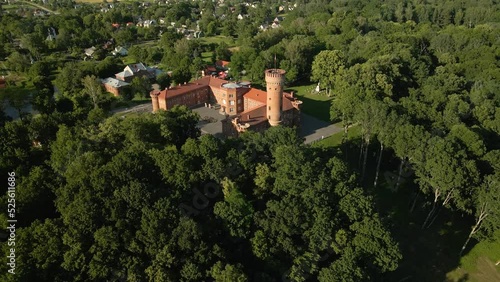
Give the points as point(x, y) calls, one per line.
point(246, 108)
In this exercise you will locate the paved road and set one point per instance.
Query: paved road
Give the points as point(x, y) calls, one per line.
point(313, 129)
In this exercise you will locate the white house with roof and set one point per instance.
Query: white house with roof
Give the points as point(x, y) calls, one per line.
point(90, 51)
point(136, 70)
point(120, 51)
point(148, 23)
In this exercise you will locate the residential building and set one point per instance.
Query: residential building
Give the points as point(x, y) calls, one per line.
point(136, 70)
point(114, 86)
point(89, 52)
point(120, 51)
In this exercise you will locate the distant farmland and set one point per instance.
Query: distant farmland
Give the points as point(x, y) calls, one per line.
point(89, 1)
point(109, 1)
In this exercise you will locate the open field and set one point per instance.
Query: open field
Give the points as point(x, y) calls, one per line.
point(218, 39)
point(88, 1)
point(109, 1)
point(478, 265)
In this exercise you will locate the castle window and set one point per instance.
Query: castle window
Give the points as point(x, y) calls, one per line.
point(269, 108)
point(269, 98)
point(230, 95)
point(231, 103)
point(224, 101)
point(231, 109)
point(239, 101)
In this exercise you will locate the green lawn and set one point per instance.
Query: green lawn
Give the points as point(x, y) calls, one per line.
point(478, 265)
point(207, 57)
point(218, 39)
point(317, 105)
point(335, 140)
point(128, 104)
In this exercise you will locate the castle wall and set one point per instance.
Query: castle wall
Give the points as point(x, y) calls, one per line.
point(191, 99)
point(249, 103)
point(291, 118)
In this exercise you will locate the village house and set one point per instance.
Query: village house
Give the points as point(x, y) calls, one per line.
point(136, 70)
point(119, 51)
point(89, 52)
point(222, 64)
point(114, 86)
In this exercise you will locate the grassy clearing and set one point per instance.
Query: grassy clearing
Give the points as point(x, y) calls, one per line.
point(218, 39)
point(101, 1)
point(207, 57)
point(89, 1)
point(479, 264)
point(336, 139)
point(317, 105)
point(120, 104)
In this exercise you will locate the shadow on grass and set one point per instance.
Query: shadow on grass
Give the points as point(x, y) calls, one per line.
point(428, 254)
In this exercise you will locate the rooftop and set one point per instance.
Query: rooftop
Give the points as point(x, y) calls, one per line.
point(136, 67)
point(256, 95)
point(253, 116)
point(114, 82)
point(124, 73)
point(231, 85)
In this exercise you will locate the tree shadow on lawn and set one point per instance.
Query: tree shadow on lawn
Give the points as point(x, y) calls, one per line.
point(428, 254)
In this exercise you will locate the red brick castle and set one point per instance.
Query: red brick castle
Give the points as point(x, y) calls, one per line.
point(246, 108)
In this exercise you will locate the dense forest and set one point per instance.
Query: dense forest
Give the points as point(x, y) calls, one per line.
point(146, 198)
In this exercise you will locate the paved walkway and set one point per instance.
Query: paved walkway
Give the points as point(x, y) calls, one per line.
point(313, 129)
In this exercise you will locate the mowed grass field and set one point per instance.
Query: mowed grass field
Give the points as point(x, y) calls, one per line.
point(109, 1)
point(315, 104)
point(88, 1)
point(479, 264)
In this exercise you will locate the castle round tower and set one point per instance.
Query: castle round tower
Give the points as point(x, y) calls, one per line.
point(154, 99)
point(275, 79)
